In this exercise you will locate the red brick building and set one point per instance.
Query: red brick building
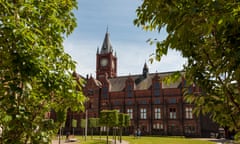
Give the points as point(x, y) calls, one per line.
point(154, 107)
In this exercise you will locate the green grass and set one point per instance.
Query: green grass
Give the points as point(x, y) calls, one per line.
point(144, 140)
point(164, 140)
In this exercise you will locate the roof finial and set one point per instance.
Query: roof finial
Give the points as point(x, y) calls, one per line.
point(107, 28)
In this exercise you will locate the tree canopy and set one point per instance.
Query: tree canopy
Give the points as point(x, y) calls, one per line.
point(109, 118)
point(35, 72)
point(207, 34)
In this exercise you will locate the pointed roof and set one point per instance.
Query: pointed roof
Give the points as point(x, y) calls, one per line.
point(106, 47)
point(145, 70)
point(145, 67)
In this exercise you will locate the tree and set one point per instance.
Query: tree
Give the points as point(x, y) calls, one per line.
point(207, 35)
point(83, 124)
point(35, 72)
point(123, 122)
point(93, 123)
point(74, 124)
point(108, 118)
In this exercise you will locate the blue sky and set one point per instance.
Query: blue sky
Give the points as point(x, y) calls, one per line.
point(129, 41)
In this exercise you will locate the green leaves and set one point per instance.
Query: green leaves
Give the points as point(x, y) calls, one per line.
point(35, 72)
point(207, 35)
point(108, 118)
point(83, 123)
point(93, 122)
point(74, 123)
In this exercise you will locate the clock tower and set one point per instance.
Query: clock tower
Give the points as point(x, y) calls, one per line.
point(106, 60)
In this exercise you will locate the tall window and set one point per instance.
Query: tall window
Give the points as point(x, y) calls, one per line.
point(157, 113)
point(172, 113)
point(130, 113)
point(129, 90)
point(105, 92)
point(156, 89)
point(143, 113)
point(188, 112)
point(190, 90)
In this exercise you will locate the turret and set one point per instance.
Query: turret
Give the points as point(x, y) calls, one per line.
point(145, 70)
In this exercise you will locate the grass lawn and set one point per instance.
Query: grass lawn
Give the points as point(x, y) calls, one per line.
point(144, 140)
point(164, 140)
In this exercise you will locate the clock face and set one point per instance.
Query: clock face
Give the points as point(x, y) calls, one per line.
point(104, 62)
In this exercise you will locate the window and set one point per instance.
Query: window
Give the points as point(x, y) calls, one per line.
point(143, 102)
point(128, 102)
point(157, 113)
point(188, 112)
point(105, 92)
point(129, 91)
point(90, 92)
point(172, 100)
point(156, 89)
point(171, 128)
point(189, 129)
point(157, 101)
point(172, 113)
point(157, 126)
point(143, 113)
point(103, 129)
point(190, 90)
point(130, 113)
point(116, 103)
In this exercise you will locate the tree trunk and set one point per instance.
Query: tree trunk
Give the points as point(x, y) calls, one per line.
point(107, 134)
point(120, 134)
point(92, 134)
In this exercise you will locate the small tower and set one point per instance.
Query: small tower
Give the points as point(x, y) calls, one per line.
point(145, 70)
point(106, 60)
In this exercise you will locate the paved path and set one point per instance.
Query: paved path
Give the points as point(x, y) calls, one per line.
point(64, 142)
point(78, 142)
point(217, 141)
point(118, 142)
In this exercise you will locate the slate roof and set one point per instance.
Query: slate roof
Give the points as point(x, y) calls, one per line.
point(140, 83)
point(106, 46)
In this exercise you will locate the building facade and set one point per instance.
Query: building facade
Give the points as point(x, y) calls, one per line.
point(155, 107)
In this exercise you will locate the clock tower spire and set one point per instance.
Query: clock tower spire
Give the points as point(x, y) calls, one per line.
point(106, 61)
